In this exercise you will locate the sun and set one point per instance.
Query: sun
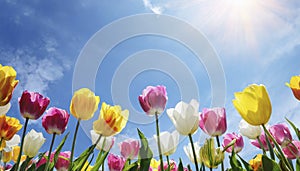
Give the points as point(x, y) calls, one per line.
point(243, 4)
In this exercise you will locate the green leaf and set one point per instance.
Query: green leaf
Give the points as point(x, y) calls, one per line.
point(32, 167)
point(269, 164)
point(42, 167)
point(180, 166)
point(25, 163)
point(57, 151)
point(145, 153)
point(246, 164)
point(80, 161)
point(294, 127)
point(234, 163)
point(100, 161)
point(129, 167)
point(298, 165)
point(270, 147)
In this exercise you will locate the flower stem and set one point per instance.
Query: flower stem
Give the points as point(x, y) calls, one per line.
point(261, 145)
point(194, 152)
point(210, 169)
point(1, 150)
point(158, 143)
point(218, 142)
point(278, 148)
point(168, 161)
point(49, 152)
point(73, 144)
point(22, 142)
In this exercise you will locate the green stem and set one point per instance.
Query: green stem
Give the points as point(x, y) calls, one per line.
point(22, 142)
point(210, 169)
point(1, 150)
point(49, 152)
point(194, 152)
point(102, 166)
point(218, 142)
point(73, 144)
point(168, 161)
point(261, 145)
point(158, 143)
point(278, 148)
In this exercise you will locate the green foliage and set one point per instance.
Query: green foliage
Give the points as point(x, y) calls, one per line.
point(145, 153)
point(57, 151)
point(269, 164)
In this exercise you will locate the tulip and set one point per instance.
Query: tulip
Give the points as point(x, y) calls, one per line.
point(292, 150)
point(32, 143)
point(238, 145)
point(84, 104)
point(16, 152)
point(295, 86)
point(189, 152)
point(129, 148)
point(250, 131)
point(108, 141)
point(55, 120)
point(9, 126)
point(43, 159)
point(7, 83)
point(213, 121)
point(115, 163)
point(154, 164)
point(211, 157)
point(63, 162)
point(111, 121)
point(33, 104)
point(281, 133)
point(172, 164)
point(185, 113)
point(169, 142)
point(262, 139)
point(253, 104)
point(7, 156)
point(4, 109)
point(256, 163)
point(13, 142)
point(153, 99)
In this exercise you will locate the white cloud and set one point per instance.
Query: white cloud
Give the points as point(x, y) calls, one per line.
point(154, 8)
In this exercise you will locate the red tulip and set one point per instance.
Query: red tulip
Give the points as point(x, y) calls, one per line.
point(55, 120)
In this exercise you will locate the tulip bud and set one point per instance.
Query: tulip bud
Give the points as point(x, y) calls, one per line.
point(108, 141)
point(168, 142)
point(7, 83)
point(256, 163)
point(63, 162)
point(262, 138)
point(173, 166)
point(33, 141)
point(238, 145)
point(55, 120)
point(4, 109)
point(115, 163)
point(281, 133)
point(292, 150)
point(211, 156)
point(295, 86)
point(250, 131)
point(129, 148)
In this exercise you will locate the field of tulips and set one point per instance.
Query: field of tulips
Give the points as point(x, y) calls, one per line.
point(279, 150)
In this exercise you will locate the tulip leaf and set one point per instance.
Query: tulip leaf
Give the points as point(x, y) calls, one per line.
point(180, 166)
point(41, 167)
point(270, 147)
point(32, 167)
point(57, 151)
point(297, 131)
point(235, 163)
point(298, 165)
point(269, 164)
point(145, 153)
point(130, 167)
point(25, 163)
point(246, 164)
point(100, 161)
point(80, 161)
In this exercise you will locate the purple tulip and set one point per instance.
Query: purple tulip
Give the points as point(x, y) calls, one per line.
point(292, 151)
point(33, 104)
point(115, 163)
point(153, 99)
point(63, 161)
point(239, 144)
point(129, 148)
point(281, 133)
point(213, 121)
point(55, 120)
point(173, 166)
point(262, 138)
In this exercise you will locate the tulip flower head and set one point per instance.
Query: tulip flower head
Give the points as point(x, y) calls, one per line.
point(250, 131)
point(154, 164)
point(153, 99)
point(253, 104)
point(292, 150)
point(211, 156)
point(213, 121)
point(262, 138)
point(7, 83)
point(238, 145)
point(295, 86)
point(173, 166)
point(185, 117)
point(33, 141)
point(32, 104)
point(9, 126)
point(169, 142)
point(129, 148)
point(281, 133)
point(63, 162)
point(111, 121)
point(4, 109)
point(55, 120)
point(115, 163)
point(105, 143)
point(189, 152)
point(84, 104)
point(256, 163)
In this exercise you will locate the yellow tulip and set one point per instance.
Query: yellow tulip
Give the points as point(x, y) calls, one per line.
point(9, 126)
point(16, 152)
point(253, 104)
point(295, 86)
point(84, 104)
point(154, 164)
point(2, 145)
point(256, 163)
point(7, 83)
point(210, 156)
point(111, 120)
point(7, 156)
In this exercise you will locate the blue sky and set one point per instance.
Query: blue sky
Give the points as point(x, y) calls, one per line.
point(256, 42)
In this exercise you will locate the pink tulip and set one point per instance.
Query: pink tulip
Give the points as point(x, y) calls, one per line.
point(213, 121)
point(32, 104)
point(262, 138)
point(63, 162)
point(55, 120)
point(239, 144)
point(173, 166)
point(153, 99)
point(43, 159)
point(129, 148)
point(115, 163)
point(292, 151)
point(281, 133)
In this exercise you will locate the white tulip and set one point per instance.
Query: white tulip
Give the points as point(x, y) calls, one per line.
point(168, 142)
point(4, 109)
point(13, 142)
point(108, 141)
point(250, 131)
point(185, 117)
point(33, 141)
point(189, 152)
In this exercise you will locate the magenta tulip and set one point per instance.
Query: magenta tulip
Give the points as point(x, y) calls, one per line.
point(262, 138)
point(33, 104)
point(292, 151)
point(129, 148)
point(173, 166)
point(115, 163)
point(213, 121)
point(63, 161)
point(43, 159)
point(153, 99)
point(281, 133)
point(55, 120)
point(239, 143)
